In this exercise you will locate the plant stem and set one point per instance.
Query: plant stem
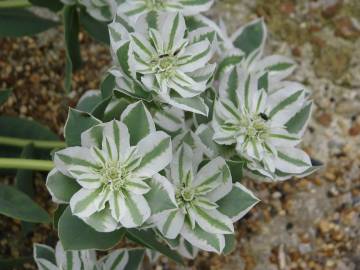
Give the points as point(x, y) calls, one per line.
point(26, 164)
point(42, 144)
point(14, 3)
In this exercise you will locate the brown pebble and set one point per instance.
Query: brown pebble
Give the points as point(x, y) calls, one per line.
point(324, 119)
point(354, 130)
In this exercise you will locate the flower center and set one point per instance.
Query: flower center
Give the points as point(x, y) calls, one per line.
point(156, 4)
point(164, 64)
point(185, 195)
point(255, 127)
point(114, 175)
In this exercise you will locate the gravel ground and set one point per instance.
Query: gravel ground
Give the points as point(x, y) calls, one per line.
point(310, 223)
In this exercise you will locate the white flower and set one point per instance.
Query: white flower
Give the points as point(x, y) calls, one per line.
point(259, 124)
point(246, 49)
point(135, 8)
point(204, 198)
point(46, 258)
point(101, 10)
point(58, 259)
point(166, 60)
point(113, 166)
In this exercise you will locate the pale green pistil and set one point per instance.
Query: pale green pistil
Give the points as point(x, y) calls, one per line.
point(164, 65)
point(254, 127)
point(184, 195)
point(114, 175)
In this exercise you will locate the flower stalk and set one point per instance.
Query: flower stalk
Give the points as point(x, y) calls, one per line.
point(41, 144)
point(14, 4)
point(26, 164)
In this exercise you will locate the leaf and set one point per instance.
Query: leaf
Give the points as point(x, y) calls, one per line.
point(93, 103)
point(13, 202)
point(24, 129)
point(68, 74)
point(298, 122)
point(76, 124)
point(96, 29)
point(107, 85)
point(72, 28)
point(250, 37)
point(10, 264)
point(237, 203)
point(148, 239)
point(139, 121)
point(230, 244)
point(4, 94)
point(236, 167)
point(75, 234)
point(57, 214)
point(136, 257)
point(53, 5)
point(24, 182)
point(61, 187)
point(21, 22)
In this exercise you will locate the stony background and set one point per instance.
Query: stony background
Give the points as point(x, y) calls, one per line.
point(310, 223)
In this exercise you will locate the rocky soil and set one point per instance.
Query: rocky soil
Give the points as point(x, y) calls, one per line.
point(310, 223)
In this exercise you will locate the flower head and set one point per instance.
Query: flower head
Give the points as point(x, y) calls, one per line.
point(113, 169)
point(135, 8)
point(202, 196)
point(59, 259)
point(160, 57)
point(257, 122)
point(101, 10)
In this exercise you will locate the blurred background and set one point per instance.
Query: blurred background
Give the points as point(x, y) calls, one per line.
point(310, 223)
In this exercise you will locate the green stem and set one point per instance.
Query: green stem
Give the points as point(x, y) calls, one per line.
point(26, 164)
point(41, 144)
point(14, 3)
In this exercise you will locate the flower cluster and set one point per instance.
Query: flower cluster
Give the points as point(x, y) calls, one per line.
point(48, 258)
point(182, 114)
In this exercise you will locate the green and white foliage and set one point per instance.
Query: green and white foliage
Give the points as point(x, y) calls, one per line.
point(46, 258)
point(205, 199)
point(160, 58)
point(101, 10)
point(247, 51)
point(259, 124)
point(133, 9)
point(106, 179)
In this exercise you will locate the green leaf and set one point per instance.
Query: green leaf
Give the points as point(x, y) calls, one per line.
point(75, 234)
point(115, 109)
point(25, 183)
point(76, 124)
point(136, 257)
point(236, 168)
point(21, 22)
point(4, 94)
point(54, 5)
point(72, 28)
point(251, 37)
point(16, 204)
point(139, 121)
point(96, 29)
point(68, 74)
point(57, 214)
point(237, 203)
point(61, 187)
point(93, 103)
point(24, 129)
point(107, 85)
point(11, 264)
point(230, 244)
point(299, 120)
point(148, 239)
